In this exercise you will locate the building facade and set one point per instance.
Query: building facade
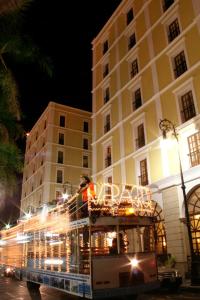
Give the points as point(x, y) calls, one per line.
point(146, 68)
point(58, 151)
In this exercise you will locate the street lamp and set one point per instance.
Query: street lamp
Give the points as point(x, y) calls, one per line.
point(167, 126)
point(66, 194)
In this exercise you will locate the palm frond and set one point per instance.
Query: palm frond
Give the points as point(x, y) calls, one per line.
point(9, 90)
point(8, 6)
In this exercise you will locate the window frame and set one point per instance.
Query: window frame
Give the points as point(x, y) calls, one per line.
point(85, 146)
point(84, 126)
point(129, 16)
point(173, 52)
point(105, 47)
point(84, 156)
point(62, 121)
point(61, 133)
point(60, 151)
point(62, 172)
point(179, 92)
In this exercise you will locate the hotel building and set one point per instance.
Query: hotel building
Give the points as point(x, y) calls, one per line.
point(58, 151)
point(146, 68)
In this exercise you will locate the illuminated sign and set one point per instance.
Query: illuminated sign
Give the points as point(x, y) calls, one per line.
point(125, 199)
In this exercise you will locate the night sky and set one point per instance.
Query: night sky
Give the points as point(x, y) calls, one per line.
point(64, 31)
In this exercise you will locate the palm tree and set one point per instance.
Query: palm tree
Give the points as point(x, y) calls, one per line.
point(15, 47)
point(6, 6)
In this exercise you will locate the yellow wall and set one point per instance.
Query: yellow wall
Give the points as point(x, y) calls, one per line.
point(159, 38)
point(164, 71)
point(130, 171)
point(155, 162)
point(143, 54)
point(147, 85)
point(154, 11)
point(140, 25)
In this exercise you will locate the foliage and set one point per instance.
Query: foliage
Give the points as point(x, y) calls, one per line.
point(16, 48)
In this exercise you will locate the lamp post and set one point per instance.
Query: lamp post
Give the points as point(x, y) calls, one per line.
point(167, 126)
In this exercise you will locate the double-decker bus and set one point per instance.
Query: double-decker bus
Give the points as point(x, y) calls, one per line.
point(99, 249)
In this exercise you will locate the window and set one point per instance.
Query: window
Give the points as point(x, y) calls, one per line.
point(85, 144)
point(108, 190)
point(129, 16)
point(143, 178)
point(131, 41)
point(85, 161)
point(134, 68)
point(140, 141)
point(173, 30)
point(105, 46)
point(194, 149)
point(62, 121)
point(43, 142)
point(105, 70)
point(187, 107)
point(107, 123)
point(45, 124)
point(167, 4)
point(59, 176)
point(106, 95)
point(60, 157)
point(137, 99)
point(180, 64)
point(108, 158)
point(85, 126)
point(61, 138)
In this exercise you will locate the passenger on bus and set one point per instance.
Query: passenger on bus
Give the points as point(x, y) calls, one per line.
point(113, 248)
point(86, 189)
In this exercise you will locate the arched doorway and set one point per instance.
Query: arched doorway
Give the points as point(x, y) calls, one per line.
point(193, 200)
point(155, 237)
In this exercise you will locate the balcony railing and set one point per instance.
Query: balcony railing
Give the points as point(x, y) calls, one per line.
point(140, 142)
point(108, 161)
point(134, 71)
point(173, 33)
point(188, 113)
point(180, 69)
point(143, 180)
point(132, 42)
point(137, 103)
point(106, 127)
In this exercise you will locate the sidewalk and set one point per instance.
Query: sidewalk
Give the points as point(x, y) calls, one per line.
point(186, 286)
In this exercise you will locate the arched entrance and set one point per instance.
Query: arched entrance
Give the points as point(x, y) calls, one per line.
point(155, 237)
point(193, 200)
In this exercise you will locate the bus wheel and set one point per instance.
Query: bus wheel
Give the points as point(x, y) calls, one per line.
point(32, 286)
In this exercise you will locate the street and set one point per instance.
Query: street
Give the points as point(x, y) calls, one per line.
point(11, 289)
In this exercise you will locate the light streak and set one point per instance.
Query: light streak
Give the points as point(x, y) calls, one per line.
point(53, 261)
point(52, 243)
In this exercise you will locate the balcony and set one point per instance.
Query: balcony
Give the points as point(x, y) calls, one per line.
point(194, 158)
point(180, 69)
point(143, 180)
point(188, 112)
point(108, 161)
point(106, 127)
point(137, 103)
point(140, 142)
